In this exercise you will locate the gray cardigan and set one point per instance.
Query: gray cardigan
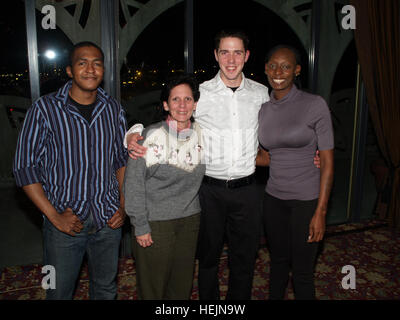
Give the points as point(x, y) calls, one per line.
point(164, 184)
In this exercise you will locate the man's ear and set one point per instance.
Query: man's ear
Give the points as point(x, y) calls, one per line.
point(69, 71)
point(297, 69)
point(216, 54)
point(247, 55)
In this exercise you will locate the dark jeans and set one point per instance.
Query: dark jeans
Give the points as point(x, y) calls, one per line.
point(236, 214)
point(66, 254)
point(287, 228)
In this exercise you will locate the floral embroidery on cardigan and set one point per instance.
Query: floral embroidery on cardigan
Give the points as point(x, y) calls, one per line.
point(162, 148)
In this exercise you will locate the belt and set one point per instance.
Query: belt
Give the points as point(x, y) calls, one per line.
point(230, 184)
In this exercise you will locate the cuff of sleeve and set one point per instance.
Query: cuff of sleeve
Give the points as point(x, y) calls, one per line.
point(141, 230)
point(119, 163)
point(26, 176)
point(137, 128)
point(326, 147)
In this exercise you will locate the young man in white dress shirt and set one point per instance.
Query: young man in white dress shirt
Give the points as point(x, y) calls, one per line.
point(229, 198)
point(227, 112)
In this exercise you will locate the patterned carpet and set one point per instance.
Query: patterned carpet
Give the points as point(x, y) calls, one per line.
point(371, 247)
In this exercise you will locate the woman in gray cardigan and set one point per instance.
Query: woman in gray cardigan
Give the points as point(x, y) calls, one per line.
point(161, 192)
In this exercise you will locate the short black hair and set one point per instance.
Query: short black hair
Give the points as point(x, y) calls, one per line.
point(84, 44)
point(296, 52)
point(231, 33)
point(174, 81)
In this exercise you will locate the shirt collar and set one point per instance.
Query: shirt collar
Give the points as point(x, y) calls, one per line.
point(292, 92)
point(184, 134)
point(173, 124)
point(221, 85)
point(62, 93)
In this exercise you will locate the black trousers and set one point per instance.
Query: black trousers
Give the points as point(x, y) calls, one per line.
point(286, 225)
point(234, 214)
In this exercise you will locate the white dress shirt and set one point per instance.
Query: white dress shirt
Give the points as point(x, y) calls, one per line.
point(229, 123)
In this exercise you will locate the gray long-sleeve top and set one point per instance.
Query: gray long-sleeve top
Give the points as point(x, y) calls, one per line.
point(164, 184)
point(292, 129)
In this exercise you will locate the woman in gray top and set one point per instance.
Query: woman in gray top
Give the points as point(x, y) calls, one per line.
point(292, 126)
point(161, 197)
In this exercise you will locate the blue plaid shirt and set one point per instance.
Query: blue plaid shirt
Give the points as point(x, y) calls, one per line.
point(75, 161)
